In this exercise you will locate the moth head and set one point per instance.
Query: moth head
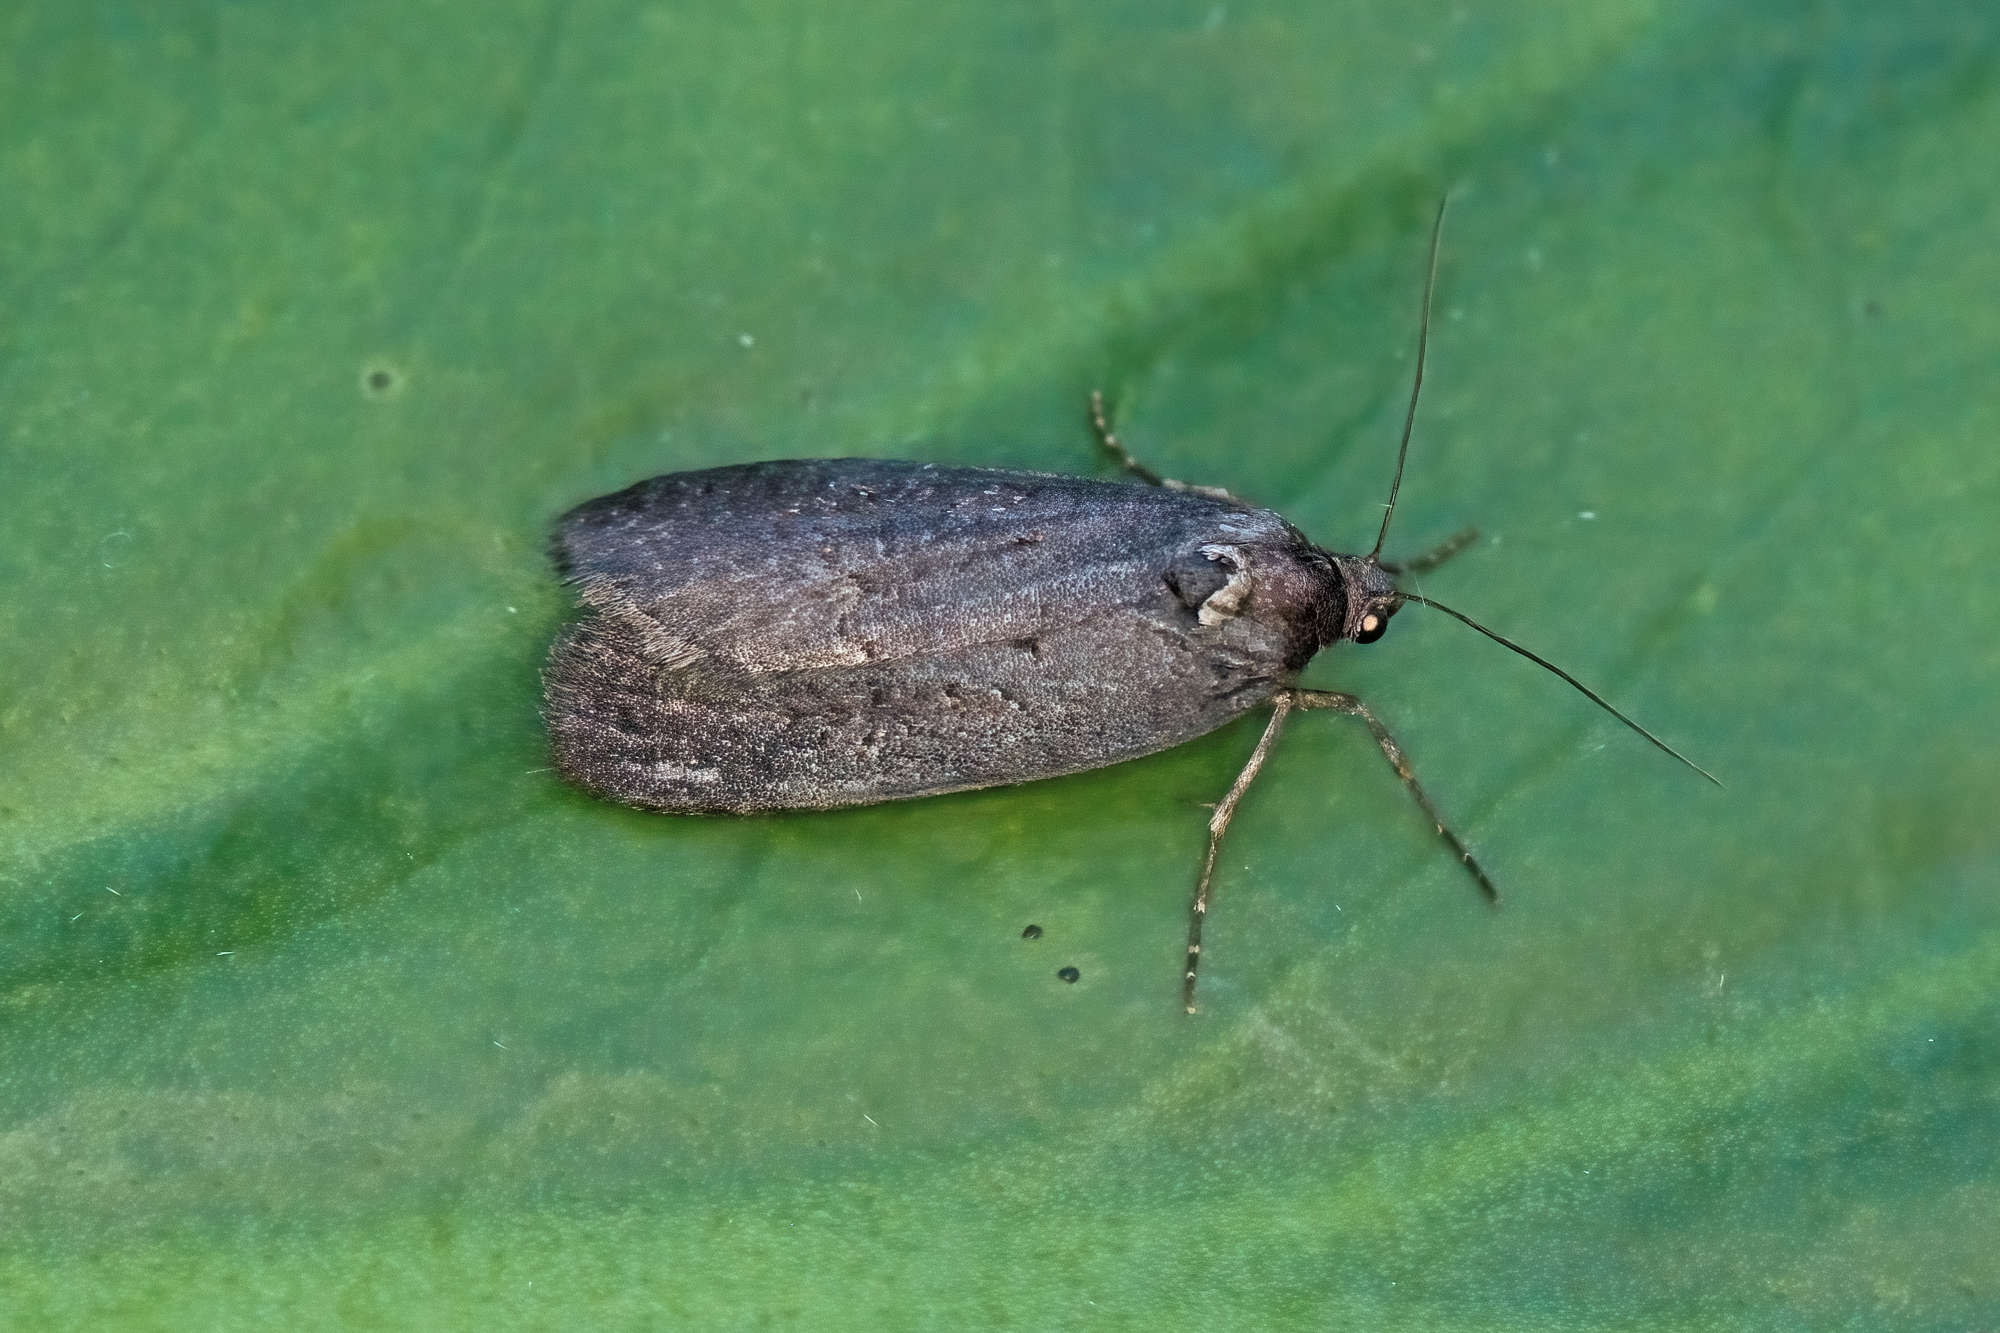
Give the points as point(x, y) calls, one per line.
point(1369, 597)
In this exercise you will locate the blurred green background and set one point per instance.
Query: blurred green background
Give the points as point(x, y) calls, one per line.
point(322, 1001)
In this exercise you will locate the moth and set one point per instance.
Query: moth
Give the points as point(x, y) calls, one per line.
point(808, 634)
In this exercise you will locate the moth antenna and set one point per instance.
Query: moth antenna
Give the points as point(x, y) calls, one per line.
point(1547, 665)
point(1417, 384)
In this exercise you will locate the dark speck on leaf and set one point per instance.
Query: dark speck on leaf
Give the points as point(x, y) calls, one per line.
point(1069, 974)
point(1031, 932)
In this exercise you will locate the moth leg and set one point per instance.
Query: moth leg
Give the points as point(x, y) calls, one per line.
point(1100, 426)
point(1218, 824)
point(1437, 555)
point(1353, 707)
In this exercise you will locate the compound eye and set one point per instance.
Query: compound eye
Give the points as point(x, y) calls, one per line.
point(1373, 626)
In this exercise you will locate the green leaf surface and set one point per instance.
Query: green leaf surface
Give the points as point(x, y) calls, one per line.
point(323, 1002)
